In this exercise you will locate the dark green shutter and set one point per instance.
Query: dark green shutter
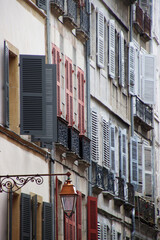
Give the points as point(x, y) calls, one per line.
point(10, 199)
point(42, 4)
point(32, 95)
point(6, 82)
point(25, 220)
point(47, 222)
point(34, 217)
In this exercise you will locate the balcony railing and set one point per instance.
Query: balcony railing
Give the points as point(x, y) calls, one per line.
point(58, 4)
point(139, 19)
point(108, 181)
point(97, 177)
point(71, 15)
point(85, 148)
point(73, 140)
point(84, 20)
point(62, 132)
point(147, 26)
point(119, 191)
point(129, 204)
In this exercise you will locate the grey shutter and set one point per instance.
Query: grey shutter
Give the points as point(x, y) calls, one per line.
point(42, 4)
point(148, 170)
point(6, 82)
point(106, 144)
point(10, 199)
point(123, 153)
point(140, 168)
point(25, 217)
point(100, 38)
point(121, 59)
point(112, 147)
point(112, 49)
point(47, 225)
point(134, 159)
point(50, 105)
point(104, 232)
point(99, 231)
point(32, 95)
point(94, 141)
point(148, 79)
point(131, 68)
point(34, 217)
point(114, 235)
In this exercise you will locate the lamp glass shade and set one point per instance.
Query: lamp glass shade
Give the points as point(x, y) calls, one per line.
point(69, 204)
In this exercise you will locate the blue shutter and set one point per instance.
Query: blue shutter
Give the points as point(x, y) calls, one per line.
point(6, 82)
point(42, 4)
point(32, 95)
point(47, 233)
point(25, 217)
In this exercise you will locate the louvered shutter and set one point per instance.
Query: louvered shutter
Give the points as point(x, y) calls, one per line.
point(94, 137)
point(114, 234)
point(134, 159)
point(47, 224)
point(25, 217)
point(100, 38)
point(121, 59)
point(123, 152)
point(131, 68)
point(92, 218)
point(106, 144)
point(69, 227)
point(112, 48)
point(104, 232)
point(148, 79)
point(148, 170)
point(79, 216)
point(140, 168)
point(112, 147)
point(34, 217)
point(99, 230)
point(42, 4)
point(80, 77)
point(9, 209)
point(6, 82)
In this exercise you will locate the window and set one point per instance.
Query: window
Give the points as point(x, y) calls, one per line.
point(80, 77)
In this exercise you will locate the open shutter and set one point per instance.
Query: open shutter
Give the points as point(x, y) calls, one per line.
point(114, 234)
point(34, 217)
point(47, 224)
point(131, 68)
point(148, 79)
point(25, 221)
point(92, 218)
point(112, 48)
point(6, 79)
point(140, 168)
point(104, 232)
point(123, 152)
point(42, 4)
point(69, 227)
point(79, 216)
point(10, 216)
point(100, 38)
point(94, 137)
point(148, 170)
point(112, 147)
point(134, 159)
point(99, 230)
point(121, 59)
point(106, 144)
point(80, 77)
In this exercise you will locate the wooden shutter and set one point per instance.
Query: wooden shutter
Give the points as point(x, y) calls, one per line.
point(34, 217)
point(69, 91)
point(25, 217)
point(148, 79)
point(131, 68)
point(112, 147)
point(123, 153)
point(106, 143)
point(99, 230)
point(92, 218)
point(134, 159)
point(112, 48)
point(47, 224)
point(95, 137)
point(80, 77)
point(42, 4)
point(6, 82)
point(114, 234)
point(140, 168)
point(100, 38)
point(69, 226)
point(104, 232)
point(148, 170)
point(79, 216)
point(121, 59)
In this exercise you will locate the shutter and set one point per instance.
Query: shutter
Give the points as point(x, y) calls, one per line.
point(134, 159)
point(6, 79)
point(148, 79)
point(10, 216)
point(121, 59)
point(106, 144)
point(69, 227)
point(112, 147)
point(131, 68)
point(94, 137)
point(112, 48)
point(34, 217)
point(114, 235)
point(25, 217)
point(42, 4)
point(148, 170)
point(140, 168)
point(47, 224)
point(92, 218)
point(80, 77)
point(140, 75)
point(100, 38)
point(79, 216)
point(32, 95)
point(99, 231)
point(123, 153)
point(104, 232)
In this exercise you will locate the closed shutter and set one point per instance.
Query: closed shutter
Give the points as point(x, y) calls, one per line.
point(42, 4)
point(121, 60)
point(112, 147)
point(131, 68)
point(106, 143)
point(140, 168)
point(80, 77)
point(6, 82)
point(47, 224)
point(34, 217)
point(112, 48)
point(69, 227)
point(25, 217)
point(95, 137)
point(104, 232)
point(114, 234)
point(79, 216)
point(123, 153)
point(134, 159)
point(99, 230)
point(92, 218)
point(148, 170)
point(148, 79)
point(100, 38)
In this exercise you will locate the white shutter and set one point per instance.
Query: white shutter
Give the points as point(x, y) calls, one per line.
point(114, 234)
point(106, 144)
point(140, 83)
point(104, 232)
point(148, 79)
point(100, 38)
point(140, 168)
point(112, 147)
point(112, 48)
point(121, 59)
point(148, 170)
point(134, 159)
point(94, 137)
point(131, 68)
point(124, 154)
point(99, 231)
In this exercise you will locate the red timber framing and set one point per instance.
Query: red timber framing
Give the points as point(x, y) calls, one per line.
point(92, 218)
point(69, 91)
point(56, 60)
point(80, 76)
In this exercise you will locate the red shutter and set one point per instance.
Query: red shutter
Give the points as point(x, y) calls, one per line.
point(92, 218)
point(80, 77)
point(79, 216)
point(69, 227)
